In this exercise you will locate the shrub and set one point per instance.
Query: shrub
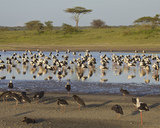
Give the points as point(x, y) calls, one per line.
point(68, 29)
point(98, 24)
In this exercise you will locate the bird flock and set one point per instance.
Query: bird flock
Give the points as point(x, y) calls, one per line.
point(52, 66)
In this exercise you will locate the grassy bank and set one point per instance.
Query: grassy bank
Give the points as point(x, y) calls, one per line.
point(121, 39)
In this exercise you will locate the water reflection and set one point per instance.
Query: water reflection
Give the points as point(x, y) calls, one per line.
point(80, 66)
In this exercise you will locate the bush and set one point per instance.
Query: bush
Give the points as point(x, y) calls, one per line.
point(68, 29)
point(98, 24)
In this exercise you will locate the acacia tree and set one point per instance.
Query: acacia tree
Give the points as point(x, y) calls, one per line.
point(34, 25)
point(49, 25)
point(154, 21)
point(77, 11)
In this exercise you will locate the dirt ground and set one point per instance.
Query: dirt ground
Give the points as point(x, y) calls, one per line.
point(96, 114)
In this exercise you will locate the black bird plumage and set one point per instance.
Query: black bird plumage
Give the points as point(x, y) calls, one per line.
point(79, 101)
point(5, 95)
point(118, 109)
point(62, 102)
point(134, 101)
point(28, 120)
point(17, 98)
point(23, 93)
point(124, 92)
point(39, 95)
point(68, 87)
point(10, 85)
point(25, 98)
point(143, 107)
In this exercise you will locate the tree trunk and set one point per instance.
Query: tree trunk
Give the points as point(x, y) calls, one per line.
point(77, 23)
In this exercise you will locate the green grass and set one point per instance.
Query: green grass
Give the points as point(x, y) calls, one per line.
point(113, 37)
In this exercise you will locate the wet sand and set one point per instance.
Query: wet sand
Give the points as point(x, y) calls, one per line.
point(97, 112)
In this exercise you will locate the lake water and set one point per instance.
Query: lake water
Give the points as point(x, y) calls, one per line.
point(100, 81)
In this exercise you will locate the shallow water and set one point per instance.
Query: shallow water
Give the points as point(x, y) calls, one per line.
point(91, 84)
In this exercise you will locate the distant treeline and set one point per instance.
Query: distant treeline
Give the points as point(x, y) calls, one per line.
point(22, 28)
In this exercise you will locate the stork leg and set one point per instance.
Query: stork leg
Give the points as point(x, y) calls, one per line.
point(6, 100)
point(37, 101)
point(61, 108)
point(141, 118)
point(16, 103)
point(79, 108)
point(68, 93)
point(118, 116)
point(3, 100)
point(64, 108)
point(124, 97)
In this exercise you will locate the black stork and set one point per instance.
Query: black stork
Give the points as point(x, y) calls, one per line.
point(24, 97)
point(17, 98)
point(79, 101)
point(124, 92)
point(141, 107)
point(68, 87)
point(118, 109)
point(39, 95)
point(134, 101)
point(6, 94)
point(62, 103)
point(23, 93)
point(10, 85)
point(28, 120)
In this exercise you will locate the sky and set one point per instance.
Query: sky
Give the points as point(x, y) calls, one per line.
point(112, 12)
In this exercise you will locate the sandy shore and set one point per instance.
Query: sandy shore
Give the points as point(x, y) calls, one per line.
point(106, 48)
point(96, 114)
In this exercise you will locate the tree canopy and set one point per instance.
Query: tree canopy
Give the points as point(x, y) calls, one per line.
point(154, 21)
point(77, 11)
point(34, 25)
point(49, 25)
